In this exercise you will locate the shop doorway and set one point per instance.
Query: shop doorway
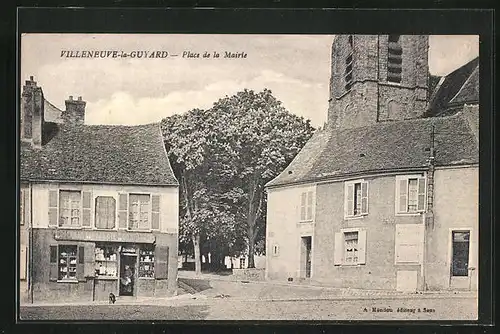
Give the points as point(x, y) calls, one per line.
point(127, 274)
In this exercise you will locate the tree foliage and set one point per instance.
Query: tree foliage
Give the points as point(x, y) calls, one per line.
point(224, 156)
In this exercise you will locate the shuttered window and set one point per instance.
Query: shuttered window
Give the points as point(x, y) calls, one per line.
point(394, 59)
point(307, 205)
point(139, 212)
point(105, 212)
point(350, 247)
point(70, 202)
point(356, 198)
point(410, 194)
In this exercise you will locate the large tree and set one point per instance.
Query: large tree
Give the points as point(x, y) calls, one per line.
point(223, 157)
point(258, 138)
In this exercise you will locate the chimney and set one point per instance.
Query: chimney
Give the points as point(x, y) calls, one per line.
point(75, 111)
point(32, 113)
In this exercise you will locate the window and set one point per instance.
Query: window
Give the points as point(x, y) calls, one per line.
point(410, 194)
point(356, 198)
point(350, 247)
point(242, 262)
point(147, 262)
point(106, 263)
point(394, 59)
point(69, 208)
point(460, 253)
point(105, 212)
point(348, 66)
point(139, 212)
point(67, 262)
point(306, 206)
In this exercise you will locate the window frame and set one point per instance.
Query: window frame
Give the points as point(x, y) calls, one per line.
point(94, 207)
point(361, 247)
point(77, 256)
point(150, 215)
point(59, 208)
point(397, 201)
point(307, 205)
point(354, 197)
point(471, 265)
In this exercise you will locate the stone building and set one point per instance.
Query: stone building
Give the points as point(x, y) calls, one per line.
point(386, 195)
point(99, 205)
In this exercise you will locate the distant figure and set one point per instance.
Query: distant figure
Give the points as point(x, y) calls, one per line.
point(126, 278)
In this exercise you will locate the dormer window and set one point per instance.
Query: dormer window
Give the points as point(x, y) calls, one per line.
point(394, 59)
point(348, 65)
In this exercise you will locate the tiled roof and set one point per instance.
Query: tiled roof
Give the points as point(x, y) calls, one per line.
point(383, 146)
point(461, 85)
point(99, 154)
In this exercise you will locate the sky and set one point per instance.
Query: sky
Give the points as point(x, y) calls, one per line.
point(296, 68)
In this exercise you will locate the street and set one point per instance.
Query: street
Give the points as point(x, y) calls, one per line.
point(226, 309)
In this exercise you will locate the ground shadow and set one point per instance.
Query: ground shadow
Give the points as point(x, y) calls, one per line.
point(197, 285)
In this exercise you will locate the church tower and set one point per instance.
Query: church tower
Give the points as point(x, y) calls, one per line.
point(377, 78)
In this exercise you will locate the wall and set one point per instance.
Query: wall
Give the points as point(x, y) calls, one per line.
point(379, 272)
point(169, 207)
point(43, 237)
point(456, 206)
point(284, 229)
point(47, 290)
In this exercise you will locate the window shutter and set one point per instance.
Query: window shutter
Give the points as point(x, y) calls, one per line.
point(364, 198)
point(339, 249)
point(86, 209)
point(155, 212)
point(122, 211)
point(421, 194)
point(26, 206)
point(53, 211)
point(80, 266)
point(89, 260)
point(303, 199)
point(403, 187)
point(161, 262)
point(309, 205)
point(53, 273)
point(362, 247)
point(349, 200)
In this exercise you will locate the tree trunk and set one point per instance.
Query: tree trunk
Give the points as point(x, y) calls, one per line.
point(251, 247)
point(197, 257)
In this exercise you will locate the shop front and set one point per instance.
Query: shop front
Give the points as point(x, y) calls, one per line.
point(89, 265)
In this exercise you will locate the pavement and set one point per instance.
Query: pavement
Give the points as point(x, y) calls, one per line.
point(211, 288)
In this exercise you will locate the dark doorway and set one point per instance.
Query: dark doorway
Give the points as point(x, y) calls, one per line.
point(460, 251)
point(127, 274)
point(306, 257)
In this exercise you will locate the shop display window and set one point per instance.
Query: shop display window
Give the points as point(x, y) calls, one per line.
point(67, 262)
point(147, 262)
point(106, 264)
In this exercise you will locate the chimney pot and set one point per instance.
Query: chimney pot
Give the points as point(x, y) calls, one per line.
point(79, 98)
point(71, 97)
point(31, 77)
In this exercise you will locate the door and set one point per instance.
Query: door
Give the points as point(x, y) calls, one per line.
point(306, 257)
point(459, 270)
point(127, 274)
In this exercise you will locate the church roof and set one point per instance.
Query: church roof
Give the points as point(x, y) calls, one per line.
point(459, 87)
point(112, 154)
point(385, 146)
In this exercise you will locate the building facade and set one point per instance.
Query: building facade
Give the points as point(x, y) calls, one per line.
point(386, 195)
point(99, 205)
